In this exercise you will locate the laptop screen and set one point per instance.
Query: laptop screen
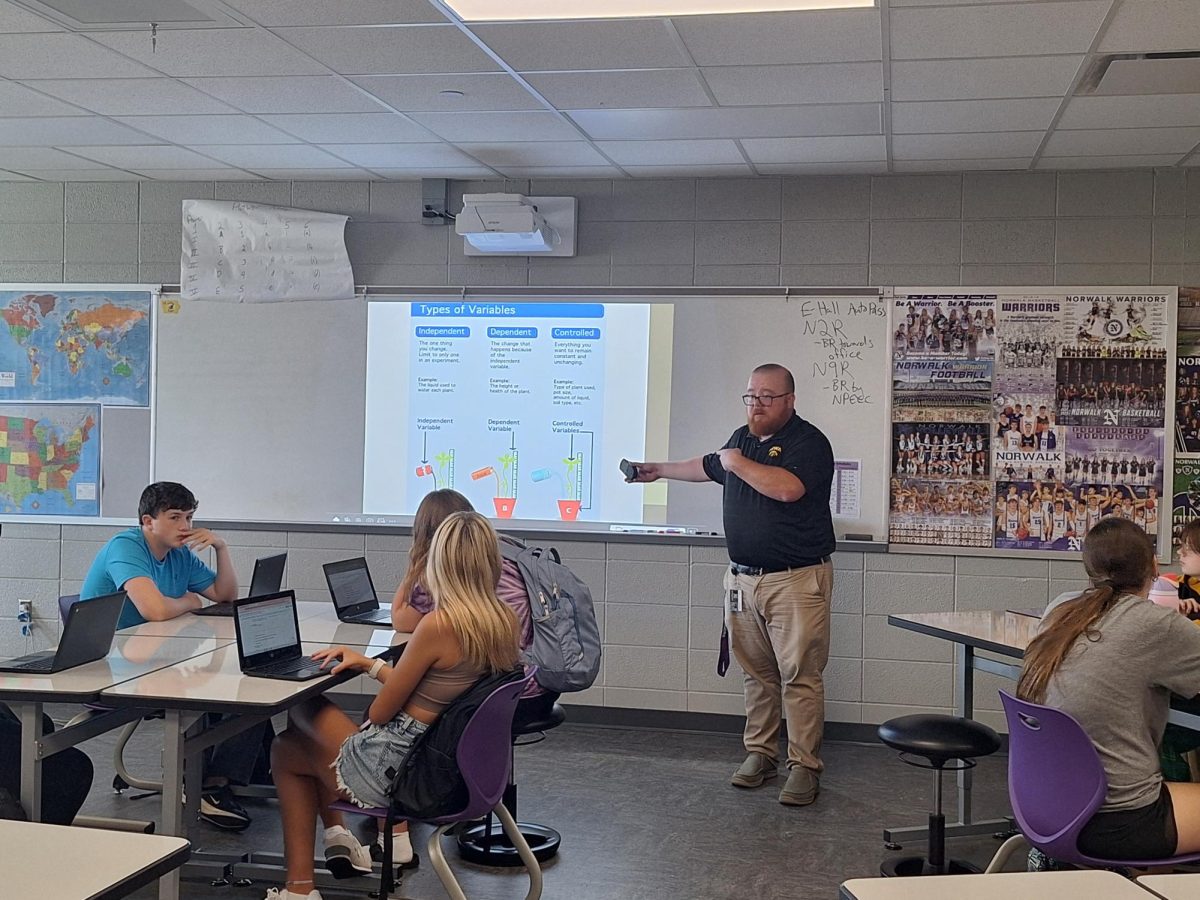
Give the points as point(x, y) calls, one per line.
point(266, 626)
point(268, 575)
point(350, 584)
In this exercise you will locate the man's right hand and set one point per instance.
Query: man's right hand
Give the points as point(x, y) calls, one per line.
point(646, 472)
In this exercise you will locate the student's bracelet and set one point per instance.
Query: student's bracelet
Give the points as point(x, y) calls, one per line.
point(375, 667)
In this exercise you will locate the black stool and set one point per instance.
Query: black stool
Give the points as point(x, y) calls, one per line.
point(938, 739)
point(486, 843)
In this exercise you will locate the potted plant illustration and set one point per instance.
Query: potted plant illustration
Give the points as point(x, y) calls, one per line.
point(505, 500)
point(569, 505)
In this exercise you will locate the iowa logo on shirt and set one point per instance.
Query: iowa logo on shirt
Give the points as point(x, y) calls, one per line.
point(774, 451)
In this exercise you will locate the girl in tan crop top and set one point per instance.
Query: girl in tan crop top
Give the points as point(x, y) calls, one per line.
point(323, 754)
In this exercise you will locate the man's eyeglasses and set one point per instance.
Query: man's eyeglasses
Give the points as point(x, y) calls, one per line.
point(763, 399)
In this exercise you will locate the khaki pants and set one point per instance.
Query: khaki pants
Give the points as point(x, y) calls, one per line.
point(781, 640)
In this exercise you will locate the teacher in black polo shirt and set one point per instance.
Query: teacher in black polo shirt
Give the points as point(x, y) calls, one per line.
point(776, 471)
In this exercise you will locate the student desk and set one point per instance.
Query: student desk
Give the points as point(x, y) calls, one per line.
point(1093, 884)
point(191, 625)
point(1004, 634)
point(211, 683)
point(130, 657)
point(104, 865)
point(1173, 887)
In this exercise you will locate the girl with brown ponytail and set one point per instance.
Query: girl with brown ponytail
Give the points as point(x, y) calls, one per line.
point(1112, 660)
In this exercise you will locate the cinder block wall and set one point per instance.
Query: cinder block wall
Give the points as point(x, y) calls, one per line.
point(659, 603)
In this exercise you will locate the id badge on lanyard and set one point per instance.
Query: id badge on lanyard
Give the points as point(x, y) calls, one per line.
point(733, 600)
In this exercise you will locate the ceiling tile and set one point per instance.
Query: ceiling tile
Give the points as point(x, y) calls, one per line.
point(546, 153)
point(960, 165)
point(159, 156)
point(1018, 29)
point(949, 116)
point(688, 171)
point(560, 46)
point(562, 172)
point(997, 145)
point(298, 94)
point(351, 128)
point(409, 93)
point(815, 149)
point(672, 153)
point(85, 175)
point(401, 50)
point(841, 168)
point(322, 174)
point(43, 158)
point(621, 90)
point(62, 56)
point(1153, 25)
point(1107, 162)
point(401, 156)
point(278, 156)
point(728, 122)
point(1122, 142)
point(208, 129)
point(13, 19)
point(13, 176)
point(792, 85)
point(1131, 112)
point(344, 12)
point(198, 52)
point(1167, 73)
point(498, 126)
point(967, 79)
point(844, 35)
point(409, 174)
point(18, 100)
point(66, 132)
point(131, 96)
point(200, 175)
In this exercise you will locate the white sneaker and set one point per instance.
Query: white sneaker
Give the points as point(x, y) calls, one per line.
point(402, 849)
point(345, 857)
point(285, 894)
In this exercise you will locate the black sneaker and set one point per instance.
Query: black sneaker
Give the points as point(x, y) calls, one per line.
point(219, 808)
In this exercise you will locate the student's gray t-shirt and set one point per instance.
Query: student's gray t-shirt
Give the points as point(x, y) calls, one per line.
point(1118, 687)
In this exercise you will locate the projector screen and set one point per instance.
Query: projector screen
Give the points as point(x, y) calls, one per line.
point(524, 407)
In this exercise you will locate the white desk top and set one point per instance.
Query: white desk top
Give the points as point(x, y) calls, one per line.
point(1173, 887)
point(131, 656)
point(214, 683)
point(1094, 884)
point(103, 864)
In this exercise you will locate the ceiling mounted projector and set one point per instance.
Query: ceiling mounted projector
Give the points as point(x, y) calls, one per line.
point(516, 225)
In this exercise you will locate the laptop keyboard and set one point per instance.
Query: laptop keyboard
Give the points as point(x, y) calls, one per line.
point(288, 666)
point(35, 665)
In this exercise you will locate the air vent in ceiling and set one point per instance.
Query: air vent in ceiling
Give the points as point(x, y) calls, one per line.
point(97, 15)
point(1142, 73)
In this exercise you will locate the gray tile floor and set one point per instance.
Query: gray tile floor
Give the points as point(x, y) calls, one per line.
point(645, 814)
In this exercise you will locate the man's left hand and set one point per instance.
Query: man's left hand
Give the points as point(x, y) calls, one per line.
point(199, 538)
point(731, 458)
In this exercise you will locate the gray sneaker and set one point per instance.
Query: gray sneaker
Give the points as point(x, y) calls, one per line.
point(754, 771)
point(801, 787)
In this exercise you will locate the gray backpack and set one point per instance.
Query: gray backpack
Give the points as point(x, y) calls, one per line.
point(566, 638)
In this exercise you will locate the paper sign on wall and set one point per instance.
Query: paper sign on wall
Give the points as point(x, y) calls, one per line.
point(249, 252)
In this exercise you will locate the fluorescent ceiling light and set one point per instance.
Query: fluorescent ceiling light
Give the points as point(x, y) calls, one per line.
point(535, 10)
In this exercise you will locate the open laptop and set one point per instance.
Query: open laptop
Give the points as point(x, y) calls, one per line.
point(267, 579)
point(353, 593)
point(87, 636)
point(268, 638)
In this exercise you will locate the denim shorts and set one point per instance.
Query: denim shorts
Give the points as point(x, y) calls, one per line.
point(367, 755)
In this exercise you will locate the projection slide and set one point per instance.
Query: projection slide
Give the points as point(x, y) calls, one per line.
point(524, 407)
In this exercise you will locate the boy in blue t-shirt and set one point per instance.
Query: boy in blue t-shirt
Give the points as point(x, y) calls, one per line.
point(157, 567)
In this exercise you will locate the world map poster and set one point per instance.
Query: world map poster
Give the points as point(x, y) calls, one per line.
point(50, 460)
point(67, 345)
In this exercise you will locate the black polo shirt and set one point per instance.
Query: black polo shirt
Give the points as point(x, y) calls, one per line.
point(769, 533)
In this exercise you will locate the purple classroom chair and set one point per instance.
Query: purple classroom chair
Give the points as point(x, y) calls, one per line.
point(484, 758)
point(1055, 784)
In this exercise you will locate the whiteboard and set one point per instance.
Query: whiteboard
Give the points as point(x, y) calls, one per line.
point(260, 408)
